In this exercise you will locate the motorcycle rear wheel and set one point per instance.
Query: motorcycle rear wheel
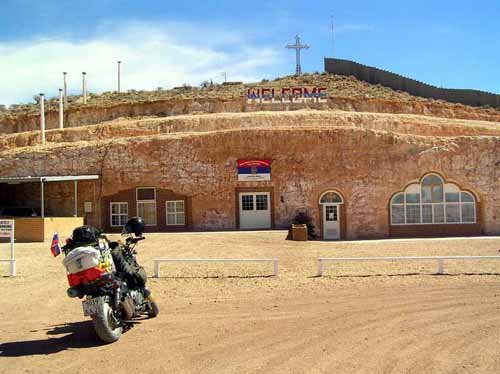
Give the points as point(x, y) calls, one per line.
point(107, 327)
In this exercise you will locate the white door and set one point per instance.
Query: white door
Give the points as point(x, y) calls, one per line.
point(331, 222)
point(255, 210)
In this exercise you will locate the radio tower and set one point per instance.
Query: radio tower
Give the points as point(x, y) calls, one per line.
point(297, 46)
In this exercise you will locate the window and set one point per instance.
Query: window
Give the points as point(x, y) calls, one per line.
point(261, 202)
point(330, 198)
point(453, 213)
point(426, 213)
point(119, 214)
point(432, 202)
point(413, 213)
point(146, 193)
point(247, 202)
point(331, 213)
point(432, 189)
point(398, 214)
point(146, 204)
point(176, 212)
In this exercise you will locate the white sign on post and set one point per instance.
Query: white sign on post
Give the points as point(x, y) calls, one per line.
point(7, 231)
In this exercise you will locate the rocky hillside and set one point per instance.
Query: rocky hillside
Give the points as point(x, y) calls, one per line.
point(345, 93)
point(402, 124)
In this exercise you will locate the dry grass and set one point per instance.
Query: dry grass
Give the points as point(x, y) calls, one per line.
point(337, 86)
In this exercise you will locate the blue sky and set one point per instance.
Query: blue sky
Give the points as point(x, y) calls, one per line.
point(167, 43)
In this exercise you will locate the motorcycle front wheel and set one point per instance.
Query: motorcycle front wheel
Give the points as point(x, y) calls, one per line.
point(107, 326)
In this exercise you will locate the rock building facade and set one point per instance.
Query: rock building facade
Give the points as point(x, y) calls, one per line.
point(357, 175)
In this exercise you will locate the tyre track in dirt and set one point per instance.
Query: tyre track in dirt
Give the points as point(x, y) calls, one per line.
point(399, 339)
point(297, 323)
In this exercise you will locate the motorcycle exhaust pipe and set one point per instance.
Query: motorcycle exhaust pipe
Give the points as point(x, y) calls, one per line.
point(73, 292)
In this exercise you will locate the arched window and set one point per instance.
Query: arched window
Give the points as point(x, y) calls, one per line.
point(432, 202)
point(330, 197)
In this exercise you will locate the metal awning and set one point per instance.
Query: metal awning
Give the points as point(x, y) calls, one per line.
point(47, 178)
point(50, 178)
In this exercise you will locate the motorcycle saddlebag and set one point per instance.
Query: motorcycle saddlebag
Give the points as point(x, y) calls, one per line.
point(83, 265)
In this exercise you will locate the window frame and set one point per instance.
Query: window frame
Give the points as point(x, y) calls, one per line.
point(147, 202)
point(176, 213)
point(331, 203)
point(144, 188)
point(460, 204)
point(111, 214)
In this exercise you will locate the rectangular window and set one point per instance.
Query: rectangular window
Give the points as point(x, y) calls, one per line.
point(261, 202)
point(468, 213)
point(452, 197)
point(146, 204)
point(398, 214)
point(452, 213)
point(247, 202)
point(176, 214)
point(147, 210)
point(119, 214)
point(331, 213)
point(412, 198)
point(427, 213)
point(439, 213)
point(146, 193)
point(412, 214)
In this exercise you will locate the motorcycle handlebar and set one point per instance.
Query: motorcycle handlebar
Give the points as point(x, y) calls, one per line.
point(135, 240)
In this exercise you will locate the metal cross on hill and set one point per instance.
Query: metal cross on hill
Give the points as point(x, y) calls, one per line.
point(297, 46)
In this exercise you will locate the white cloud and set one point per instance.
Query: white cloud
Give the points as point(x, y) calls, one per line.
point(153, 56)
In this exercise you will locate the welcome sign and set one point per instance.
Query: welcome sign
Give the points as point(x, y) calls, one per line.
point(254, 170)
point(271, 95)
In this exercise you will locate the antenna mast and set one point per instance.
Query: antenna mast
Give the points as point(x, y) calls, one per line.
point(333, 37)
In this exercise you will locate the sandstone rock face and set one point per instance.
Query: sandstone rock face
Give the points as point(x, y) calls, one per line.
point(366, 157)
point(89, 115)
point(122, 128)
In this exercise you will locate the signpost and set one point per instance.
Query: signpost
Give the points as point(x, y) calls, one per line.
point(7, 231)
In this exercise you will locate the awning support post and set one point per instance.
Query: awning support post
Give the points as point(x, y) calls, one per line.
point(42, 202)
point(76, 198)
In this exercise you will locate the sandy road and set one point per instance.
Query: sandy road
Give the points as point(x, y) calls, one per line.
point(381, 318)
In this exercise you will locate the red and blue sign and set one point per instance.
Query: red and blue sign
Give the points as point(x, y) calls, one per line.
point(270, 95)
point(254, 170)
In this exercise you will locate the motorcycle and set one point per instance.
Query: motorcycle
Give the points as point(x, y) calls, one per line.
point(111, 298)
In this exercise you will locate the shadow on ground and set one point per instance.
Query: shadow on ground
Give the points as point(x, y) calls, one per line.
point(217, 277)
point(77, 335)
point(403, 275)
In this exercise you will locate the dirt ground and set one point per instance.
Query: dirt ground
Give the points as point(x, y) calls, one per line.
point(394, 317)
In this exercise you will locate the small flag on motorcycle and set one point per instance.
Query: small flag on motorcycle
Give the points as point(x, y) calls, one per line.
point(54, 247)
